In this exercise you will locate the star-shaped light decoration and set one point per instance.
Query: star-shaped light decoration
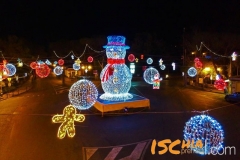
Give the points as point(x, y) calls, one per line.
point(67, 119)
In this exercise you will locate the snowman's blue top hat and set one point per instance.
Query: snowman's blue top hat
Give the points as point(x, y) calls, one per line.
point(116, 41)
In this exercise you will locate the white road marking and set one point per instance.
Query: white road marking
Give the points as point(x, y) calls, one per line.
point(90, 152)
point(113, 154)
point(136, 153)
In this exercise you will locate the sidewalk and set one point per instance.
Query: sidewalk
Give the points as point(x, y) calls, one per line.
point(19, 90)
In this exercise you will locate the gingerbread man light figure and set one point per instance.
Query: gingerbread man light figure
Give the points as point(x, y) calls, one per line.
point(67, 119)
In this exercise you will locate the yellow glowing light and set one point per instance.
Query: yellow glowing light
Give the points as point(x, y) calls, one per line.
point(20, 64)
point(89, 67)
point(136, 59)
point(219, 69)
point(9, 79)
point(54, 65)
point(78, 61)
point(67, 119)
point(207, 69)
point(83, 67)
point(193, 52)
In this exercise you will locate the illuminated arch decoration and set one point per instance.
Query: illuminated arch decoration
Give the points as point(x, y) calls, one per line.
point(83, 94)
point(58, 70)
point(163, 67)
point(90, 59)
point(204, 128)
point(149, 74)
point(61, 62)
point(149, 61)
point(42, 70)
point(192, 72)
point(76, 66)
point(116, 76)
point(11, 68)
point(67, 119)
point(131, 57)
point(220, 84)
point(4, 72)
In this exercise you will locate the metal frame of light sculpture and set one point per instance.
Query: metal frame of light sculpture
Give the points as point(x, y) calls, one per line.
point(149, 74)
point(204, 128)
point(83, 94)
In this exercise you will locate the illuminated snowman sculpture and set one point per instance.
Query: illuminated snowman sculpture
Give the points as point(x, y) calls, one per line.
point(116, 76)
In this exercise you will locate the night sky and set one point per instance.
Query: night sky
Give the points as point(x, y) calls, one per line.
point(42, 21)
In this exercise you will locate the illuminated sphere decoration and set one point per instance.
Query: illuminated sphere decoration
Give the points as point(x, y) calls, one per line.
point(196, 60)
point(42, 70)
point(58, 70)
point(192, 72)
point(162, 67)
point(198, 64)
point(219, 84)
point(61, 62)
point(131, 57)
point(33, 65)
point(209, 131)
point(149, 61)
point(76, 66)
point(90, 59)
point(149, 74)
point(11, 68)
point(116, 76)
point(83, 94)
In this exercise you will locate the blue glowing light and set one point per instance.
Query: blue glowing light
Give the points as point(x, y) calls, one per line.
point(162, 67)
point(76, 66)
point(149, 61)
point(192, 72)
point(11, 68)
point(206, 129)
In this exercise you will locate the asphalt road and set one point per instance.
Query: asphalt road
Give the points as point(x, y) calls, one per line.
point(27, 133)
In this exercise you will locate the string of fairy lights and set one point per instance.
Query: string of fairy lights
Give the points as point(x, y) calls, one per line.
point(202, 44)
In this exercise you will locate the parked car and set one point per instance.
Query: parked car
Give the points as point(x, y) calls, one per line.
point(235, 97)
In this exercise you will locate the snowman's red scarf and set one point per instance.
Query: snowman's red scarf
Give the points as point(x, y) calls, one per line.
point(109, 71)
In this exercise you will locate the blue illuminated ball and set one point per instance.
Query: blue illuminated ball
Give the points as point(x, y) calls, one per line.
point(58, 70)
point(76, 66)
point(206, 129)
point(149, 74)
point(162, 67)
point(192, 72)
point(83, 94)
point(149, 61)
point(11, 68)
